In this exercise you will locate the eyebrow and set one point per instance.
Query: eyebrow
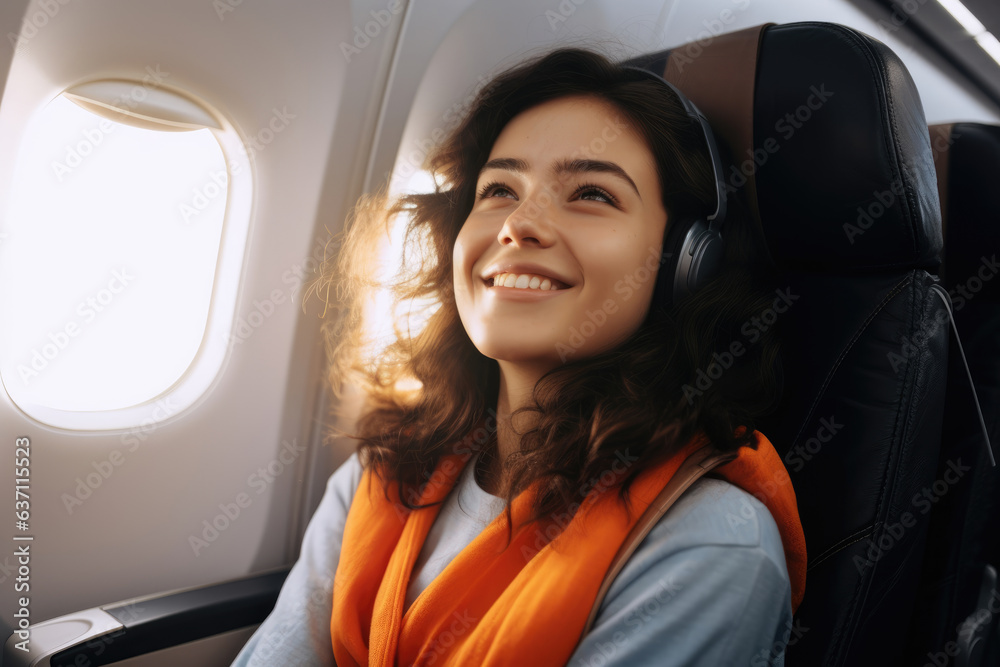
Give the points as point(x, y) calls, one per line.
point(566, 166)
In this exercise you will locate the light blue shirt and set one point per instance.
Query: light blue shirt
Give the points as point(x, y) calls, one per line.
point(708, 586)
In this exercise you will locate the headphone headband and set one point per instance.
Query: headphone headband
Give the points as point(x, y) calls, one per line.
point(692, 249)
point(695, 114)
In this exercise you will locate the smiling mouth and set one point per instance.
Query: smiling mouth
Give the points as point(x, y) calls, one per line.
point(525, 281)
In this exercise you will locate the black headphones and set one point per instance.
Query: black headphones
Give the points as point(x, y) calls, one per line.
point(692, 249)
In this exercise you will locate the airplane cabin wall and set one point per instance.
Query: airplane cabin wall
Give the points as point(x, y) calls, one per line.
point(131, 534)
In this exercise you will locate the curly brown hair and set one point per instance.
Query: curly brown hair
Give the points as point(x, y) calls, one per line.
point(640, 398)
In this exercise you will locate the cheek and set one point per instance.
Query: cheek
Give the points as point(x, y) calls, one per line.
point(462, 258)
point(469, 248)
point(621, 289)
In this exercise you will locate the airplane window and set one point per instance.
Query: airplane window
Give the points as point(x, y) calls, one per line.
point(110, 266)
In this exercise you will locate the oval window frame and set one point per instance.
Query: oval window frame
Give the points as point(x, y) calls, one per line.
point(169, 108)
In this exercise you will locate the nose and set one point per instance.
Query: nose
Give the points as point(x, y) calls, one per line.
point(528, 224)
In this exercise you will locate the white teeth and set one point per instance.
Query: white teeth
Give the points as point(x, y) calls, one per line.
point(523, 281)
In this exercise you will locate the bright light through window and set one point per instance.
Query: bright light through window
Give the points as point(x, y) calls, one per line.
point(108, 259)
point(381, 315)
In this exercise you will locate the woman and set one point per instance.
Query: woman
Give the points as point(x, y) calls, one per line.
point(510, 444)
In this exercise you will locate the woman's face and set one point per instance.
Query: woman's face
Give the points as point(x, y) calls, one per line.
point(558, 257)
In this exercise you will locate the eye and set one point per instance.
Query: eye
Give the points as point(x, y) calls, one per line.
point(493, 188)
point(591, 192)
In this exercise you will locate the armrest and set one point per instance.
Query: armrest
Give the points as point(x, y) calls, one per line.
point(121, 630)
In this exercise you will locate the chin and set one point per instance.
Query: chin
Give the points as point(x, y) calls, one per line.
point(532, 353)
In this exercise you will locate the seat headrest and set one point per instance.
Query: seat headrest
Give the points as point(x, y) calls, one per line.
point(967, 156)
point(828, 139)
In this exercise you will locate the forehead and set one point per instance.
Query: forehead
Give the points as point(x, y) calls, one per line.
point(579, 126)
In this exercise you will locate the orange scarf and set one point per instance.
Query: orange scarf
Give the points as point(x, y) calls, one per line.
point(526, 605)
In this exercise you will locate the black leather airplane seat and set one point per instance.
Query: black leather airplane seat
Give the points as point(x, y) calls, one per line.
point(831, 151)
point(956, 617)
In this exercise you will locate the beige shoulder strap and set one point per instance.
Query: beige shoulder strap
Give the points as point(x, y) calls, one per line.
point(696, 465)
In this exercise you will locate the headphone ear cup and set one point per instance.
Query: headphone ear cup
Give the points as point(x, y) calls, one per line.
point(706, 262)
point(692, 256)
point(667, 276)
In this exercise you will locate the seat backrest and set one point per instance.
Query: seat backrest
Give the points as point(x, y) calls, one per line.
point(955, 578)
point(831, 151)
